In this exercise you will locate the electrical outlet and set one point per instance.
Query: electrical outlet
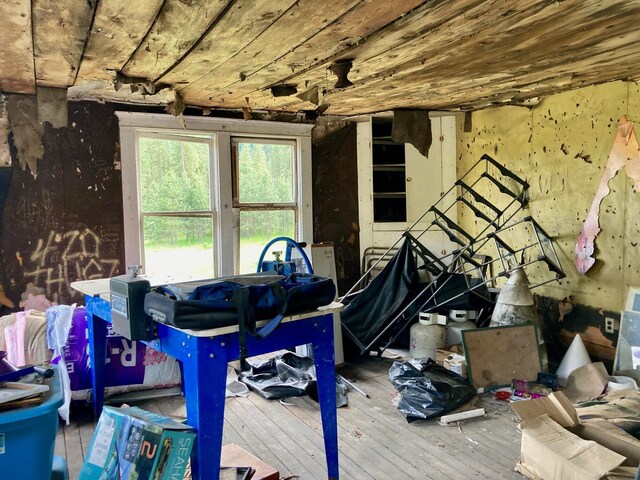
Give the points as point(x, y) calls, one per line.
point(609, 325)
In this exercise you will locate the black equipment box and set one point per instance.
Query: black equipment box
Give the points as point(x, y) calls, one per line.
point(127, 307)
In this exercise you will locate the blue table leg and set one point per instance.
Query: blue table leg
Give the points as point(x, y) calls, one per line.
point(323, 354)
point(97, 355)
point(205, 377)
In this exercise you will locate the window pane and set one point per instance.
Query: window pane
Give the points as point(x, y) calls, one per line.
point(174, 175)
point(265, 172)
point(257, 228)
point(178, 246)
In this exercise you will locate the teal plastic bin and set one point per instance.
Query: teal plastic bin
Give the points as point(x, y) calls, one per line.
point(28, 437)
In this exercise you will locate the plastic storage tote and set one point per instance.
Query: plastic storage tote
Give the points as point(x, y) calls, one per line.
point(28, 436)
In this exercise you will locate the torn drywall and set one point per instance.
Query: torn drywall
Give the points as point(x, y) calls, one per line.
point(625, 153)
point(27, 130)
point(52, 106)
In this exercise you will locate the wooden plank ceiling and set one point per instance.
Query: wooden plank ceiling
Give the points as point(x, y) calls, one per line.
point(432, 54)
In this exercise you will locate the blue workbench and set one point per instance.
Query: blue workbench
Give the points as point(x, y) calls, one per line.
point(205, 355)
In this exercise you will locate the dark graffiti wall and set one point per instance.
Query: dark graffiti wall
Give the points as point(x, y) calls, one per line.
point(66, 223)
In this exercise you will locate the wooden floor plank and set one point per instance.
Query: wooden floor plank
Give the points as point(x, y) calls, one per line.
point(375, 441)
point(59, 448)
point(311, 439)
point(390, 429)
point(363, 447)
point(383, 390)
point(73, 448)
point(249, 439)
point(302, 465)
point(476, 457)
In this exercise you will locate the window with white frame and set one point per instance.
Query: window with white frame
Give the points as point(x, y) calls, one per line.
point(203, 200)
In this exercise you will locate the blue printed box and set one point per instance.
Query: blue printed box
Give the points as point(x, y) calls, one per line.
point(130, 444)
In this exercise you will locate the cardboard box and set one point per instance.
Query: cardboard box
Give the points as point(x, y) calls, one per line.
point(556, 405)
point(235, 456)
point(441, 355)
point(456, 363)
point(130, 444)
point(611, 436)
point(556, 445)
point(552, 452)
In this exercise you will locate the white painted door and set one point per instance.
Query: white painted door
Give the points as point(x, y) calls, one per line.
point(427, 178)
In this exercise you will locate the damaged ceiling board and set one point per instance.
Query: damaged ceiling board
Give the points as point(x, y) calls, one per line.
point(414, 127)
point(335, 40)
point(497, 355)
point(406, 54)
point(234, 31)
point(179, 25)
point(27, 130)
point(426, 66)
point(251, 59)
point(16, 51)
point(59, 31)
point(624, 153)
point(87, 92)
point(119, 26)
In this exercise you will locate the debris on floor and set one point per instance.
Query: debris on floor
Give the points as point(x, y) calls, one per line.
point(560, 441)
point(428, 392)
point(288, 375)
point(234, 455)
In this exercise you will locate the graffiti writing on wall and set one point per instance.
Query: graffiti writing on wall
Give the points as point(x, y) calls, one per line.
point(62, 258)
point(33, 213)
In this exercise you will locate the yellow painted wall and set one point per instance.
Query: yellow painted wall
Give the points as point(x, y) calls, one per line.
point(547, 146)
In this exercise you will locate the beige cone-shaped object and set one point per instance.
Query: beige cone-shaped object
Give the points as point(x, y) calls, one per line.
point(514, 305)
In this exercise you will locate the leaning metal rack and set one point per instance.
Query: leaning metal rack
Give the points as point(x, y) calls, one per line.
point(500, 244)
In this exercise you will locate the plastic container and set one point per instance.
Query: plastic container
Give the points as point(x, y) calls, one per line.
point(426, 338)
point(617, 382)
point(28, 437)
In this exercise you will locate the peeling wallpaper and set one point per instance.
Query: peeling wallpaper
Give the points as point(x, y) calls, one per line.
point(561, 147)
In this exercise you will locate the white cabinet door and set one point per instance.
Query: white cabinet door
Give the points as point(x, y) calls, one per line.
point(424, 175)
point(426, 180)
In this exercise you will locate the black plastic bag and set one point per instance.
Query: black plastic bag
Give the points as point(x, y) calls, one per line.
point(288, 375)
point(430, 392)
